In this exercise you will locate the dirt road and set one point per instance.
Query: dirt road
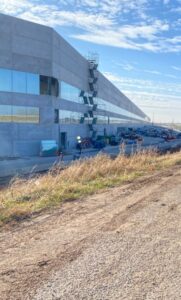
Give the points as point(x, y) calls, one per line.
point(124, 243)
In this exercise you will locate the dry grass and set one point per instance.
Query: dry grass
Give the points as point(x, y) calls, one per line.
point(22, 198)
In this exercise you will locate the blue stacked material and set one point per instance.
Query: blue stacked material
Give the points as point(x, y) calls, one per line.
point(48, 148)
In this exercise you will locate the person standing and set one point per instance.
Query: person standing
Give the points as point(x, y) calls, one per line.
point(79, 145)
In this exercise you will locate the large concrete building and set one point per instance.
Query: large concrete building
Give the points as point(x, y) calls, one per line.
point(48, 91)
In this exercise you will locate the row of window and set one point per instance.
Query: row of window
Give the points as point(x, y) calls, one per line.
point(109, 120)
point(24, 114)
point(19, 114)
point(35, 84)
point(71, 117)
point(23, 82)
point(28, 83)
point(71, 93)
point(107, 106)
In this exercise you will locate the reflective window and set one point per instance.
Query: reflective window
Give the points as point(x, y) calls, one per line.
point(110, 120)
point(19, 82)
point(54, 87)
point(107, 106)
point(114, 120)
point(19, 114)
point(102, 119)
point(5, 113)
point(32, 115)
point(44, 85)
point(56, 116)
point(49, 86)
point(5, 80)
point(87, 120)
point(69, 117)
point(71, 93)
point(33, 84)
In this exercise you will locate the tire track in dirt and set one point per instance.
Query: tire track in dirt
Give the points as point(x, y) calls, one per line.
point(33, 250)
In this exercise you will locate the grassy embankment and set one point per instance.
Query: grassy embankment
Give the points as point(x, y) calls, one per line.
point(22, 198)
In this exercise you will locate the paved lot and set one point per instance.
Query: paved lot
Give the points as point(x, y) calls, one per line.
point(120, 244)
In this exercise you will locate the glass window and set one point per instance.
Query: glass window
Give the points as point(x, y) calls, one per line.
point(71, 93)
point(5, 80)
point(49, 86)
point(69, 117)
point(32, 114)
point(19, 82)
point(114, 120)
point(44, 85)
point(54, 87)
point(19, 114)
point(102, 119)
point(33, 84)
point(5, 113)
point(110, 107)
point(56, 116)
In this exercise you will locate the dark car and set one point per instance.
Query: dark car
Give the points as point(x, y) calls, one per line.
point(99, 144)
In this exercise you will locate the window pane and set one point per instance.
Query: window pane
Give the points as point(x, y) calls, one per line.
point(113, 120)
point(54, 87)
point(70, 93)
point(33, 84)
point(44, 85)
point(110, 107)
point(19, 82)
point(5, 80)
point(19, 114)
point(56, 116)
point(32, 114)
point(5, 113)
point(102, 119)
point(69, 117)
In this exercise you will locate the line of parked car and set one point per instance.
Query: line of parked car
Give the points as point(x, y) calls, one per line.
point(159, 132)
point(136, 136)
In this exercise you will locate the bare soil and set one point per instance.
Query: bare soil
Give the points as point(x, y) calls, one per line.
point(124, 243)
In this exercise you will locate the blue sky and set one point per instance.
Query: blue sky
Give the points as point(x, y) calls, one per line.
point(138, 42)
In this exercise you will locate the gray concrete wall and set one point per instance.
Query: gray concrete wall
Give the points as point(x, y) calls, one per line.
point(29, 47)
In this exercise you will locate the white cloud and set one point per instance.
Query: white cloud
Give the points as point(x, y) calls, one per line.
point(176, 68)
point(14, 6)
point(100, 22)
point(126, 66)
point(154, 72)
point(129, 67)
point(64, 18)
point(129, 36)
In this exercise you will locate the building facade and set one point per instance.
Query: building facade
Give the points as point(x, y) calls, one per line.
point(48, 91)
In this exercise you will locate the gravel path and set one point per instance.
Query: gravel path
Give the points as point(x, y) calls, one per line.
point(124, 243)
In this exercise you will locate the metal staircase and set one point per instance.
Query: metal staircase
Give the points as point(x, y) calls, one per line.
point(93, 91)
point(89, 98)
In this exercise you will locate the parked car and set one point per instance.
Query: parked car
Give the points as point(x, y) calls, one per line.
point(113, 140)
point(99, 144)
